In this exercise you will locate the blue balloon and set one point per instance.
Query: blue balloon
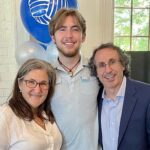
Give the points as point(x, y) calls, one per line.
point(35, 15)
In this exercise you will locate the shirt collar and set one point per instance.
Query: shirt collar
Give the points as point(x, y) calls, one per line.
point(121, 91)
point(83, 63)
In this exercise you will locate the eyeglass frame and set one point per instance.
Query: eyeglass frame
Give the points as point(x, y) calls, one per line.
point(36, 83)
point(110, 63)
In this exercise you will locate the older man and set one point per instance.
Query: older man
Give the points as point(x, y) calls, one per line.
point(124, 104)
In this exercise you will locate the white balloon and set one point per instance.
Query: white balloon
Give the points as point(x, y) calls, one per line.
point(52, 52)
point(30, 50)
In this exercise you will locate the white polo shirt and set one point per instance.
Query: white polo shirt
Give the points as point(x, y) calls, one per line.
point(74, 105)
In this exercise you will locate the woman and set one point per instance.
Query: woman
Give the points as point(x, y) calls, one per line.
point(26, 121)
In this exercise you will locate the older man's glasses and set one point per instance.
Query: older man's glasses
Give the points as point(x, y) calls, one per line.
point(111, 63)
point(32, 84)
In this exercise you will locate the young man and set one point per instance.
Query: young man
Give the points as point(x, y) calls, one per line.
point(75, 100)
point(124, 104)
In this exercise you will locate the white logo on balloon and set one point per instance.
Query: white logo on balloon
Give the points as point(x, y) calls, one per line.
point(43, 10)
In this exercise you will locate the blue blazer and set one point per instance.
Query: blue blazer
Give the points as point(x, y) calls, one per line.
point(134, 131)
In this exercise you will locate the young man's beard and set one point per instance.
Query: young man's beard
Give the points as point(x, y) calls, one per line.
point(72, 54)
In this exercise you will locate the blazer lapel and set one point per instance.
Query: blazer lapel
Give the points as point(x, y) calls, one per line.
point(128, 107)
point(99, 99)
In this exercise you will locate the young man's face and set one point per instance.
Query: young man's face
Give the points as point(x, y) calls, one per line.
point(68, 38)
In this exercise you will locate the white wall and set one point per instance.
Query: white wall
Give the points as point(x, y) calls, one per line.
point(98, 15)
point(90, 10)
point(99, 18)
point(12, 34)
point(7, 46)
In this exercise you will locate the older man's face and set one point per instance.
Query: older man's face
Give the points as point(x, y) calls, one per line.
point(109, 68)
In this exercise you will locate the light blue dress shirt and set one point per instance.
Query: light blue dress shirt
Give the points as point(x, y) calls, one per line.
point(74, 105)
point(110, 118)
